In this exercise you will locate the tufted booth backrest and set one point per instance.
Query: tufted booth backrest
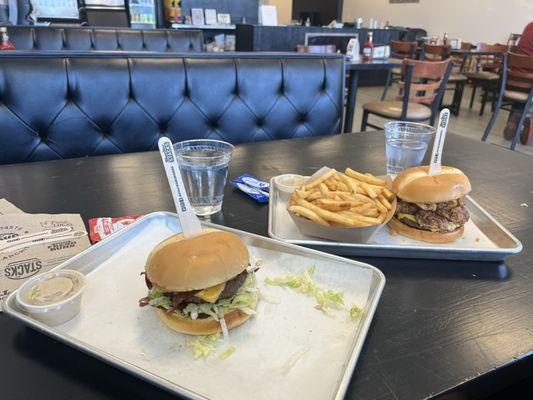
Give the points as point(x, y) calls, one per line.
point(64, 106)
point(86, 39)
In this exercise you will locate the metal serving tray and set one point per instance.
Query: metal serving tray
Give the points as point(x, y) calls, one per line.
point(485, 239)
point(280, 352)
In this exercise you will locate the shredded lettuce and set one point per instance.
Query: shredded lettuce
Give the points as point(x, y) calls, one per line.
point(203, 346)
point(228, 352)
point(293, 359)
point(354, 313)
point(303, 283)
point(157, 298)
point(243, 300)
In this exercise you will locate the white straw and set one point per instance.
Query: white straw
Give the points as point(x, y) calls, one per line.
point(190, 224)
point(438, 144)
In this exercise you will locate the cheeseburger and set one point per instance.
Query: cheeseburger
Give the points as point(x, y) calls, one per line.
point(431, 208)
point(201, 285)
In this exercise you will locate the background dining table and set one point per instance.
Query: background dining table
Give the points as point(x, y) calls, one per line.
point(448, 329)
point(353, 69)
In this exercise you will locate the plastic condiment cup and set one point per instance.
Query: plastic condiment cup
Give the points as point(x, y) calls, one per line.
point(57, 312)
point(288, 183)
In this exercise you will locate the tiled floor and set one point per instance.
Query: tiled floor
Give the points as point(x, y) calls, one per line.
point(469, 123)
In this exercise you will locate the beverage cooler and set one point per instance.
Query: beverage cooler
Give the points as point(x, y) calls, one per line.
point(142, 13)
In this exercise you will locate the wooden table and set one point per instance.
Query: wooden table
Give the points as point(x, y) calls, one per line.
point(462, 327)
point(354, 67)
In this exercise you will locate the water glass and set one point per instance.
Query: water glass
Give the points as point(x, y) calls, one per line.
point(402, 154)
point(410, 130)
point(204, 168)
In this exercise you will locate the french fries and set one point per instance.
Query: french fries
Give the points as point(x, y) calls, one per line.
point(323, 178)
point(350, 199)
point(304, 212)
point(364, 178)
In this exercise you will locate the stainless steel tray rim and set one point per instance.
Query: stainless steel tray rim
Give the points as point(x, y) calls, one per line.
point(403, 248)
point(94, 352)
point(149, 377)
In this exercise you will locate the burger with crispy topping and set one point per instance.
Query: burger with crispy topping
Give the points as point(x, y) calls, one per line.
point(201, 285)
point(431, 208)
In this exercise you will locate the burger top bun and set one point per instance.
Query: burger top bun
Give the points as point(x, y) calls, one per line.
point(416, 186)
point(179, 265)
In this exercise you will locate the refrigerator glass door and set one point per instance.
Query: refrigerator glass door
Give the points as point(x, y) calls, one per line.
point(142, 14)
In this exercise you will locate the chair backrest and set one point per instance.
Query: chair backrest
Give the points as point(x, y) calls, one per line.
point(435, 52)
point(491, 62)
point(106, 39)
point(423, 82)
point(519, 72)
point(402, 50)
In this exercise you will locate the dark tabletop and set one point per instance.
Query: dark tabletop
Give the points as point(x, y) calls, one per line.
point(360, 65)
point(474, 52)
point(465, 327)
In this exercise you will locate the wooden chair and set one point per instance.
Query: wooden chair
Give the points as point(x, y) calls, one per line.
point(435, 52)
point(400, 51)
point(421, 90)
point(486, 74)
point(457, 80)
point(465, 64)
point(516, 89)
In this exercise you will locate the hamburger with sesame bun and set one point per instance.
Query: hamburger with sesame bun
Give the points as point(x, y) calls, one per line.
point(431, 208)
point(201, 285)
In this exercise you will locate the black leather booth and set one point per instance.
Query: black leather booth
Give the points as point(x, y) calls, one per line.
point(87, 39)
point(63, 106)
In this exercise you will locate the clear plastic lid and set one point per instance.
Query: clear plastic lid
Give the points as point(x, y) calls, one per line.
point(50, 289)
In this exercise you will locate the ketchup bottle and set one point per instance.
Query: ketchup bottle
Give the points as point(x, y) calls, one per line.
point(368, 48)
point(5, 43)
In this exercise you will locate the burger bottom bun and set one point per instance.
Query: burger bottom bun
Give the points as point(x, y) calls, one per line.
point(202, 326)
point(425, 236)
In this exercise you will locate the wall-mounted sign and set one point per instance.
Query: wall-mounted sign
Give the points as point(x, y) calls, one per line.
point(210, 16)
point(224, 18)
point(197, 16)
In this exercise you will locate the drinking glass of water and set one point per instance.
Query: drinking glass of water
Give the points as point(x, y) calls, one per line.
point(407, 143)
point(410, 130)
point(204, 168)
point(402, 154)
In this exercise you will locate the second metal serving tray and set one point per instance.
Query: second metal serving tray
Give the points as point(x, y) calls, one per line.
point(485, 239)
point(280, 352)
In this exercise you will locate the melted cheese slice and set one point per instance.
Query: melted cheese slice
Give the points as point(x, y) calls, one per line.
point(211, 294)
point(407, 216)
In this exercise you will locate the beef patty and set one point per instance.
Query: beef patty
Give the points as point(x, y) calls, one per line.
point(181, 299)
point(441, 217)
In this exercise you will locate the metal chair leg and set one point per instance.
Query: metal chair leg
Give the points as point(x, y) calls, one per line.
point(473, 95)
point(492, 119)
point(364, 121)
point(494, 95)
point(457, 98)
point(520, 125)
point(484, 100)
point(387, 84)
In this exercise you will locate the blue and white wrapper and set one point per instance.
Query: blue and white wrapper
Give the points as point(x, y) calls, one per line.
point(253, 187)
